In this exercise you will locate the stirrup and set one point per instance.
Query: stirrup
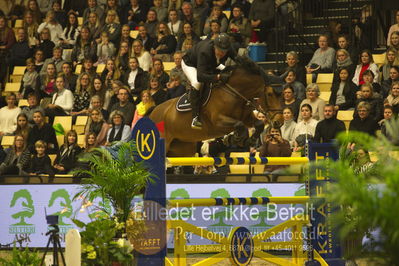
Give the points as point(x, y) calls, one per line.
point(196, 123)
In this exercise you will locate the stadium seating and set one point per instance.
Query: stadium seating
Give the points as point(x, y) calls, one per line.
point(346, 116)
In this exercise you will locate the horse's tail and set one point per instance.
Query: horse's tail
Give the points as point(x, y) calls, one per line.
point(149, 111)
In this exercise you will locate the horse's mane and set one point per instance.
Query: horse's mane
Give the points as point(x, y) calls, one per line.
point(244, 62)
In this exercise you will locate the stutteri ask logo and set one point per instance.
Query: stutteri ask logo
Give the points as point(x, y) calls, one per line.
point(22, 201)
point(65, 208)
point(180, 193)
point(226, 212)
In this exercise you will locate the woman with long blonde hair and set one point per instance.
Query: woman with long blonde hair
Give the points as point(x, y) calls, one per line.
point(112, 26)
point(144, 57)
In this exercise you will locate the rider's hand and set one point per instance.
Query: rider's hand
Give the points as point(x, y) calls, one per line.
point(224, 77)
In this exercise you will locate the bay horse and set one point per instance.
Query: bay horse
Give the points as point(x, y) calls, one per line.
point(228, 104)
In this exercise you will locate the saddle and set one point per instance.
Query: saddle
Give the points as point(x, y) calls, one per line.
point(183, 103)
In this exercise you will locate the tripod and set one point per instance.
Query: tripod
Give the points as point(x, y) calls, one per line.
point(55, 239)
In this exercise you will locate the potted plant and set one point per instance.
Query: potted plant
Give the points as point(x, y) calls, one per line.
point(366, 195)
point(22, 257)
point(117, 178)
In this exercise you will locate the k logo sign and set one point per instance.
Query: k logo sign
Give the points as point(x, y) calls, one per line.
point(145, 134)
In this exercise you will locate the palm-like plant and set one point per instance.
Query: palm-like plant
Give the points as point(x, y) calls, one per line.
point(116, 177)
point(368, 201)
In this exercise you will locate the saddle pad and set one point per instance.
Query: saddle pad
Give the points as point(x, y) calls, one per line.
point(183, 103)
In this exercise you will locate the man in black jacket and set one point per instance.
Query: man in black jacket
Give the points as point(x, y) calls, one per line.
point(203, 63)
point(330, 127)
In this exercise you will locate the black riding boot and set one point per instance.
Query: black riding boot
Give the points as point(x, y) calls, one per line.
point(195, 100)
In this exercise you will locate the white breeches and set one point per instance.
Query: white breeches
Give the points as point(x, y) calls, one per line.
point(191, 74)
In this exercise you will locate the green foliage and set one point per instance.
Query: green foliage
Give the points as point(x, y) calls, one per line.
point(367, 200)
point(22, 257)
point(99, 246)
point(117, 179)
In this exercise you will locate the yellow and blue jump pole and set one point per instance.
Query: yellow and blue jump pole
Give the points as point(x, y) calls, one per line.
point(220, 161)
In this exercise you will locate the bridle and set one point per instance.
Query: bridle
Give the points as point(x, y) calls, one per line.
point(250, 103)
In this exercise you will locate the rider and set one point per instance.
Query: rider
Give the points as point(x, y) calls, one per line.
point(203, 63)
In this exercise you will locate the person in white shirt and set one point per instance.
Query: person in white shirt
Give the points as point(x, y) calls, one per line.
point(55, 28)
point(62, 101)
point(175, 25)
point(288, 128)
point(144, 57)
point(8, 116)
point(304, 130)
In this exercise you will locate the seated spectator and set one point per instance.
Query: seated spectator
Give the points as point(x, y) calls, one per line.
point(165, 43)
point(29, 80)
point(322, 60)
point(239, 26)
point(7, 40)
point(386, 84)
point(162, 12)
point(343, 43)
point(105, 49)
point(52, 24)
point(82, 96)
point(111, 94)
point(292, 65)
point(17, 159)
point(99, 88)
point(220, 17)
point(23, 127)
point(125, 37)
point(42, 131)
point(60, 14)
point(158, 72)
point(374, 99)
point(288, 128)
point(46, 86)
point(274, 146)
point(177, 70)
point(92, 7)
point(174, 87)
point(122, 57)
point(368, 77)
point(157, 92)
point(366, 62)
point(144, 57)
point(40, 163)
point(124, 106)
point(67, 157)
point(33, 7)
point(151, 23)
point(393, 98)
point(395, 40)
point(88, 68)
point(298, 87)
point(96, 124)
point(312, 98)
point(20, 51)
point(94, 25)
point(391, 59)
point(187, 34)
point(71, 31)
point(112, 27)
point(70, 77)
point(388, 112)
point(175, 25)
point(393, 28)
point(343, 91)
point(187, 15)
point(135, 14)
point(113, 5)
point(85, 48)
point(62, 101)
point(146, 40)
point(8, 116)
point(328, 128)
point(56, 60)
point(31, 26)
point(136, 78)
point(33, 106)
point(343, 61)
point(110, 73)
point(97, 103)
point(289, 100)
point(362, 121)
point(215, 30)
point(46, 44)
point(143, 106)
point(38, 59)
point(119, 131)
point(90, 142)
point(305, 129)
point(362, 162)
